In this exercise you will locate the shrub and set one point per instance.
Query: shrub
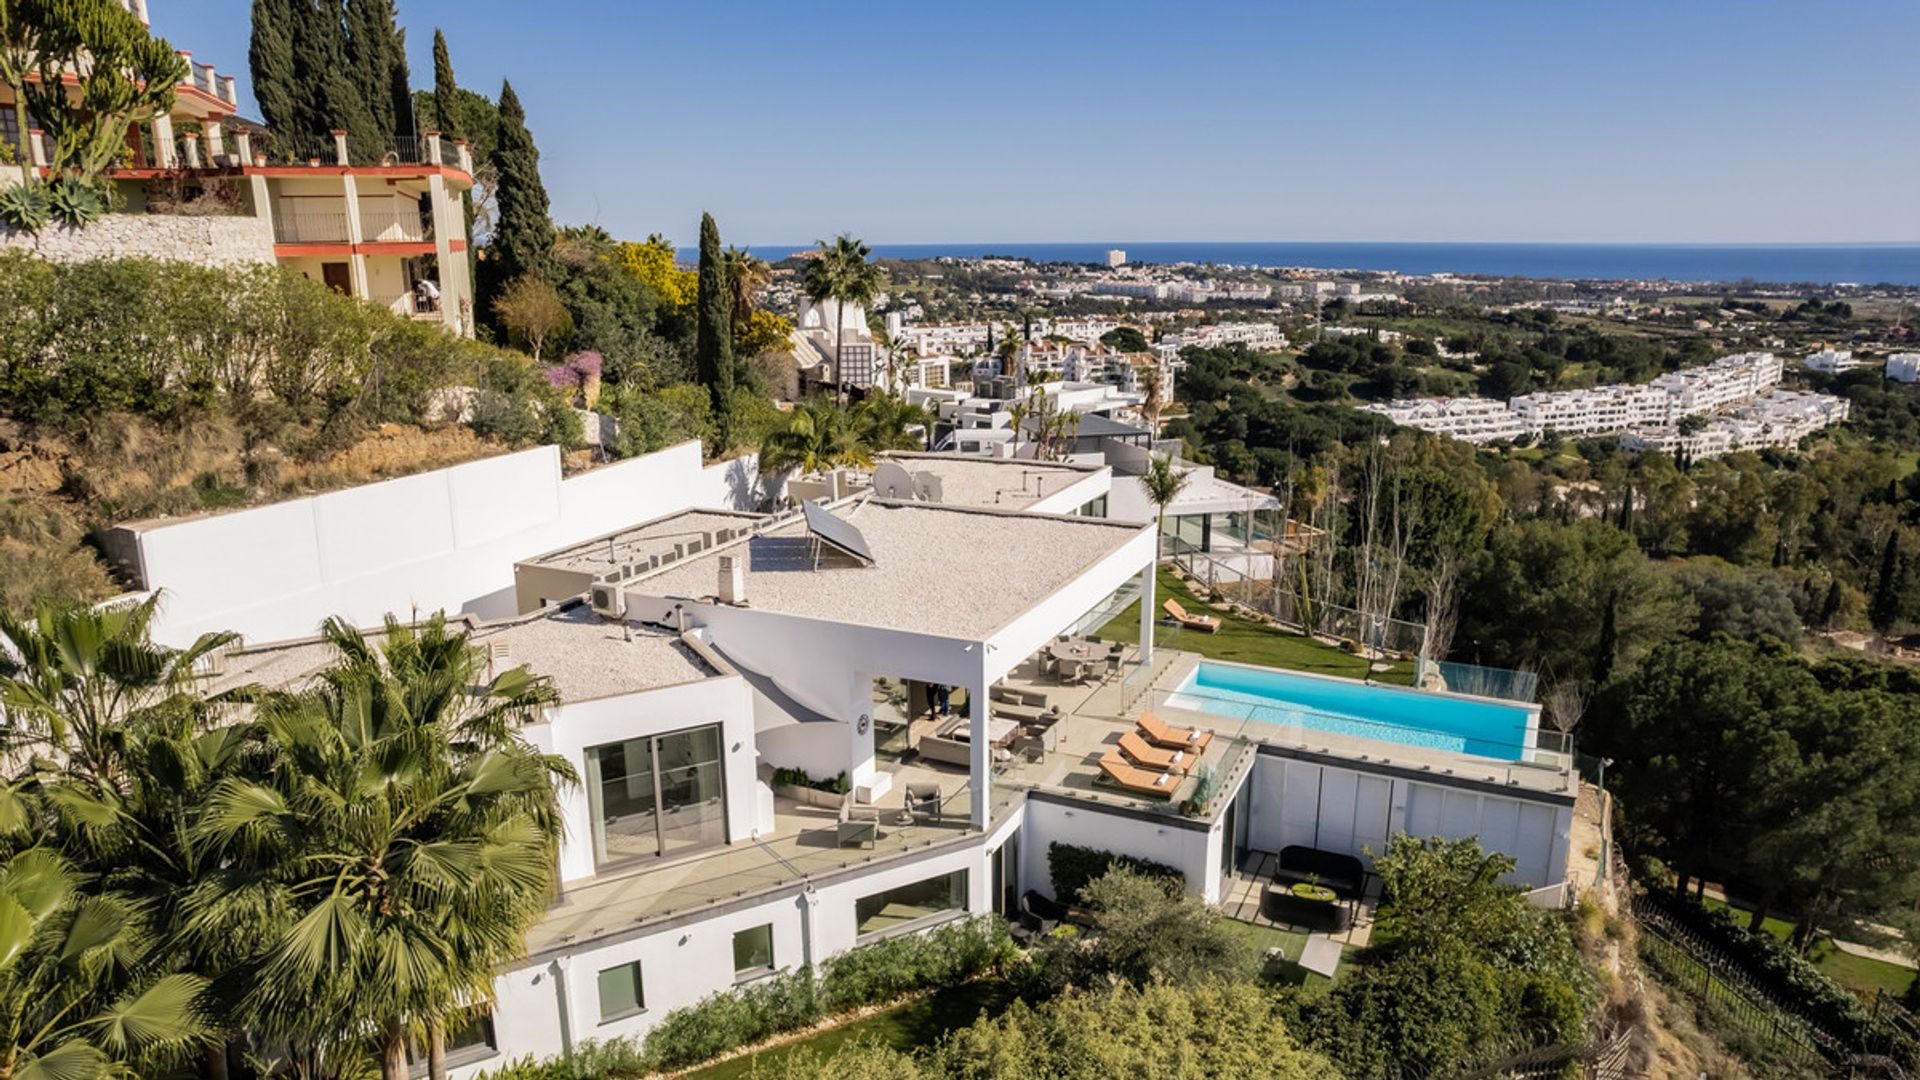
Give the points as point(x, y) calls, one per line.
point(1073, 868)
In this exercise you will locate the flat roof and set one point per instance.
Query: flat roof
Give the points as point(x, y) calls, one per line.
point(604, 554)
point(1003, 483)
point(961, 572)
point(585, 655)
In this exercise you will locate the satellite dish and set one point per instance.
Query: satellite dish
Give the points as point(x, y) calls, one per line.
point(928, 487)
point(890, 481)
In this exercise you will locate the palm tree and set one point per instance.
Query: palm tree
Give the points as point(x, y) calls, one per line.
point(885, 423)
point(411, 827)
point(1164, 483)
point(82, 1001)
point(79, 679)
point(1017, 414)
point(819, 436)
point(894, 347)
point(1012, 340)
point(746, 276)
point(842, 273)
point(1153, 386)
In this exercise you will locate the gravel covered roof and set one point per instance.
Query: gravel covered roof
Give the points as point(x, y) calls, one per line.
point(585, 656)
point(994, 483)
point(939, 569)
point(631, 545)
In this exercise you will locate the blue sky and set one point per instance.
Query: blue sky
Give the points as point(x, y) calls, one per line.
point(981, 121)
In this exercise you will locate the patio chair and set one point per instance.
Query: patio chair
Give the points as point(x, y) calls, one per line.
point(923, 797)
point(1123, 774)
point(1029, 747)
point(1072, 671)
point(1178, 613)
point(1141, 753)
point(1165, 735)
point(857, 824)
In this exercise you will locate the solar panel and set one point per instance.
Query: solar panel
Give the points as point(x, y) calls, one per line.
point(836, 532)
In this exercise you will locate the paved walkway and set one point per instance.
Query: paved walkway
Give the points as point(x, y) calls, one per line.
point(1895, 956)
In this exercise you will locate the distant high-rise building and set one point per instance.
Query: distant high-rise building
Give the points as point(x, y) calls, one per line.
point(1116, 257)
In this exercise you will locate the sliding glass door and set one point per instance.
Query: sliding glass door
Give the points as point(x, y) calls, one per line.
point(660, 795)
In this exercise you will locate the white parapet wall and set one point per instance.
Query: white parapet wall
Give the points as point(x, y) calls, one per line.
point(210, 240)
point(444, 540)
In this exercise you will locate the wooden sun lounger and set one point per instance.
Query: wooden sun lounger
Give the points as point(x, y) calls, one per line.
point(1158, 785)
point(1178, 613)
point(1148, 756)
point(1167, 737)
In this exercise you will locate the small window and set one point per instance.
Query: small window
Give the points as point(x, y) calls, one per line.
point(908, 904)
point(620, 992)
point(753, 951)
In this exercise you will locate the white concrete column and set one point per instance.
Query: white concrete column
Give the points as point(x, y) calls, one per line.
point(243, 146)
point(449, 222)
point(263, 203)
point(163, 141)
point(37, 143)
point(981, 767)
point(1149, 604)
point(860, 767)
point(193, 150)
point(227, 90)
point(216, 143)
point(357, 263)
point(433, 148)
point(340, 148)
point(466, 156)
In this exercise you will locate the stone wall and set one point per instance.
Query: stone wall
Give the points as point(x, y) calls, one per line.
point(204, 241)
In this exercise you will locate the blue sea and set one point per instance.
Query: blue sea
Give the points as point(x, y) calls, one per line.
point(1859, 264)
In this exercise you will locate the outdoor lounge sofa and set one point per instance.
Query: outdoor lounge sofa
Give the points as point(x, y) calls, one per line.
point(1167, 737)
point(1343, 874)
point(1178, 613)
point(1148, 756)
point(1124, 774)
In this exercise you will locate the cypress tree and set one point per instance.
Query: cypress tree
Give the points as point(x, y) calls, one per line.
point(369, 28)
point(270, 63)
point(713, 333)
point(332, 100)
point(446, 106)
point(523, 232)
point(1884, 609)
point(400, 88)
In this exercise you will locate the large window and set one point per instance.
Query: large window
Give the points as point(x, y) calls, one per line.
point(753, 951)
point(474, 1041)
point(897, 907)
point(621, 993)
point(660, 795)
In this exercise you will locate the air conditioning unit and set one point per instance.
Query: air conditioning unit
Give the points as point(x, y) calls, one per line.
point(608, 601)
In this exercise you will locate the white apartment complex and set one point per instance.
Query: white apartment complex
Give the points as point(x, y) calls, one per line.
point(1904, 367)
point(1647, 415)
point(1254, 335)
point(1832, 361)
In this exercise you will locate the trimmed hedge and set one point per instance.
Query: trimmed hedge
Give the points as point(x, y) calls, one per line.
point(1073, 868)
point(869, 975)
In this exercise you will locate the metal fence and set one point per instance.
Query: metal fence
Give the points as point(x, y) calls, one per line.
point(1700, 968)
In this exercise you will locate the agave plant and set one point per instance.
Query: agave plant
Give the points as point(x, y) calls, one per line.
point(25, 206)
point(76, 202)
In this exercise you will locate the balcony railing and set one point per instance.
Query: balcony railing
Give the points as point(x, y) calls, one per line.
point(409, 304)
point(285, 149)
point(297, 226)
point(391, 226)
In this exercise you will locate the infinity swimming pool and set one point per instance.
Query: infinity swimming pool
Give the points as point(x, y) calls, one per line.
point(1366, 710)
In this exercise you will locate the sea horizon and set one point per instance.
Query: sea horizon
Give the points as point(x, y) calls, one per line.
point(1872, 263)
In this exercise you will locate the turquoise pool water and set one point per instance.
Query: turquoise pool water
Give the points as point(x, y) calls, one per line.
point(1347, 707)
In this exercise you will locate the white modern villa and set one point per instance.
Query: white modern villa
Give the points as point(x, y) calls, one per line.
point(952, 635)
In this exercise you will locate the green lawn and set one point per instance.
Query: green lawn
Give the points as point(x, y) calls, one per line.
point(908, 1027)
point(1861, 974)
point(1246, 642)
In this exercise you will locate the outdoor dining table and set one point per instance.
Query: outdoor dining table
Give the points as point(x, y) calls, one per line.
point(1077, 651)
point(999, 731)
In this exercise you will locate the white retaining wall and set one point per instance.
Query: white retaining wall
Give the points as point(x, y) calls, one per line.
point(1353, 813)
point(442, 540)
point(221, 240)
point(1195, 852)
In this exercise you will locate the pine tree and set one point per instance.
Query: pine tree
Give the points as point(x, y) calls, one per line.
point(523, 231)
point(445, 101)
point(270, 63)
point(713, 334)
